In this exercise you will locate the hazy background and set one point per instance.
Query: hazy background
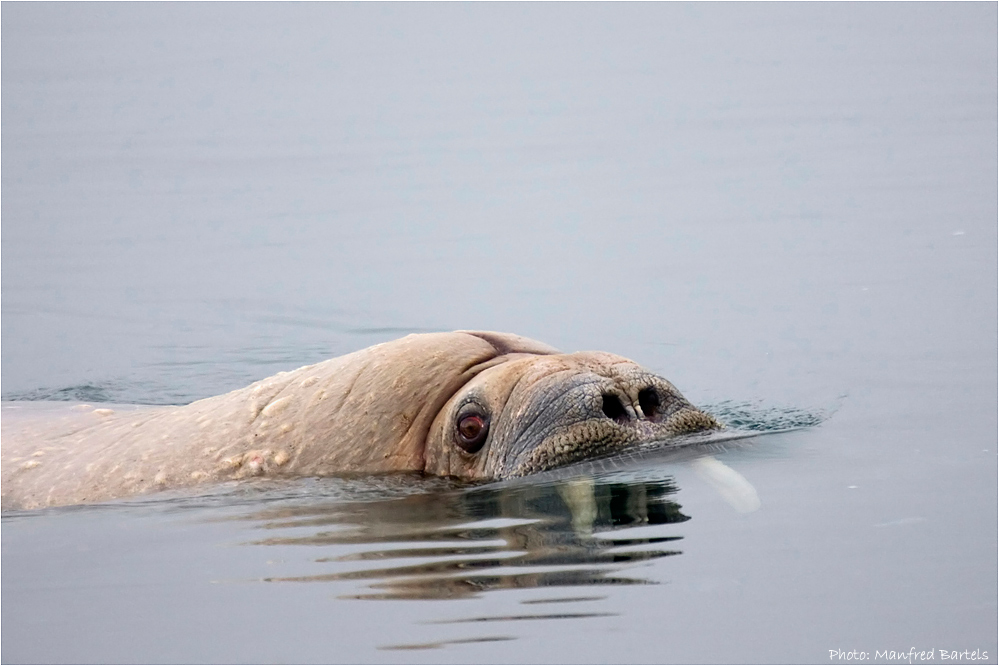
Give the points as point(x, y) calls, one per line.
point(792, 205)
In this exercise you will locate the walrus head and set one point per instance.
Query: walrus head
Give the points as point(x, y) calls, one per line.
point(530, 411)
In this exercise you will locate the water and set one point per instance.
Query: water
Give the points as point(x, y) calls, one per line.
point(784, 209)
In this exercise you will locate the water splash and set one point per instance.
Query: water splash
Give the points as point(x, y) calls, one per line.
point(118, 392)
point(757, 417)
point(81, 393)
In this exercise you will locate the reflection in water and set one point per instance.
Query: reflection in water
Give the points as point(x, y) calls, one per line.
point(508, 618)
point(473, 540)
point(406, 537)
point(440, 644)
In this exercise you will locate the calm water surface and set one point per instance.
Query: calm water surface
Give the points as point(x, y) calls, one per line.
point(788, 210)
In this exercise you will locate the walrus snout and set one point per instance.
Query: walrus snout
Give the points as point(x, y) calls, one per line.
point(636, 409)
point(544, 412)
point(622, 406)
point(646, 405)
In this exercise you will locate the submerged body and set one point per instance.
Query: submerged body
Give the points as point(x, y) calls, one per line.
point(465, 404)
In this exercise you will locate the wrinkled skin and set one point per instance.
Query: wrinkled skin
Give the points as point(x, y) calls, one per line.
point(468, 404)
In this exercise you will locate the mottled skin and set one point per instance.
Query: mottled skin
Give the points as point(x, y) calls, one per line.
point(393, 407)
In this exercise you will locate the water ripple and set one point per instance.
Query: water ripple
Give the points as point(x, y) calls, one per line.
point(465, 542)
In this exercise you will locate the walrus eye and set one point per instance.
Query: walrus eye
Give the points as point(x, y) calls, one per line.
point(472, 432)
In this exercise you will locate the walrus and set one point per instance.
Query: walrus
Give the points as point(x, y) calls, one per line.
point(469, 404)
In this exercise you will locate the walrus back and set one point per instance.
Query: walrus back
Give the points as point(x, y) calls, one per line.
point(61, 453)
point(49, 451)
point(365, 412)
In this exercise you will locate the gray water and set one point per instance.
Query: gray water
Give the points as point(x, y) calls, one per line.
point(787, 210)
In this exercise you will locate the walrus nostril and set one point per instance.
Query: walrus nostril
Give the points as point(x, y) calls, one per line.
point(648, 400)
point(614, 409)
